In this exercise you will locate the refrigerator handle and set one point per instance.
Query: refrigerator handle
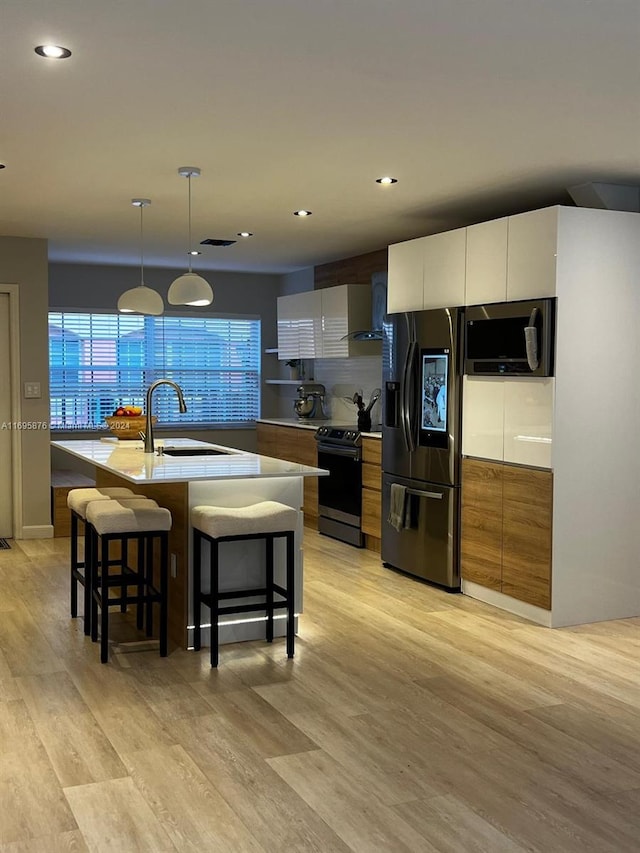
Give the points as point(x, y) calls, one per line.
point(407, 388)
point(418, 493)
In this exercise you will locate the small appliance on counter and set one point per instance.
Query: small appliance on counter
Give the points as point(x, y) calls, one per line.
point(309, 404)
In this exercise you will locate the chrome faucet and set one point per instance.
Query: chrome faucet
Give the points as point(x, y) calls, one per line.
point(148, 435)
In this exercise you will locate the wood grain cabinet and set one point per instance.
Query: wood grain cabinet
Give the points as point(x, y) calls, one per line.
point(506, 529)
point(294, 445)
point(372, 492)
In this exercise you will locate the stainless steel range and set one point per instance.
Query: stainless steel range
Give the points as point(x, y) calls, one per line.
point(340, 494)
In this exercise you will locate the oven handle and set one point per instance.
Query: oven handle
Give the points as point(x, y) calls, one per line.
point(353, 452)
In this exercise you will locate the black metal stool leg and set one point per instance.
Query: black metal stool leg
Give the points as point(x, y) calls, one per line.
point(74, 565)
point(88, 587)
point(94, 581)
point(215, 590)
point(140, 569)
point(290, 596)
point(148, 576)
point(270, 545)
point(164, 582)
point(124, 562)
point(197, 588)
point(104, 602)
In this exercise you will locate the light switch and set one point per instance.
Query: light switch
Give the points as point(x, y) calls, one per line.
point(32, 390)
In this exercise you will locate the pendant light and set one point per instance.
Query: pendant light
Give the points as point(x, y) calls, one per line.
point(141, 299)
point(190, 288)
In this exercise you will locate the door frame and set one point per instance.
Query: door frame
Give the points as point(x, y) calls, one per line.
point(13, 292)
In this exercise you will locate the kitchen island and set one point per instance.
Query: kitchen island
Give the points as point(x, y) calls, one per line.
point(227, 477)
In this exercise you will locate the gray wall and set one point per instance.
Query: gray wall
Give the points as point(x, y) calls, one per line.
point(87, 287)
point(23, 262)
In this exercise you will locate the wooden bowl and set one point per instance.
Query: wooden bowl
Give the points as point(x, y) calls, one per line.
point(128, 427)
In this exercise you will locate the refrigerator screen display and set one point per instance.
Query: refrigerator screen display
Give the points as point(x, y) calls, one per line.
point(435, 371)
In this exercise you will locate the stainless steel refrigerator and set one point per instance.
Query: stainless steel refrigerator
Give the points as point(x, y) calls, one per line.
point(422, 396)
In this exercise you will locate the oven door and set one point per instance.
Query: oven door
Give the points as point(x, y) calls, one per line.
point(340, 494)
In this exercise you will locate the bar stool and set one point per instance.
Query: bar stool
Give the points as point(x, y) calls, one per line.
point(268, 520)
point(122, 520)
point(77, 501)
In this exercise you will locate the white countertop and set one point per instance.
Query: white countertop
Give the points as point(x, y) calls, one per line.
point(314, 425)
point(127, 459)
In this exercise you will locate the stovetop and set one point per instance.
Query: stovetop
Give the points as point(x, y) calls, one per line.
point(344, 435)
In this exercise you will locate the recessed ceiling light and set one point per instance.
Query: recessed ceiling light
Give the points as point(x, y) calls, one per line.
point(194, 252)
point(302, 213)
point(53, 51)
point(386, 180)
point(245, 234)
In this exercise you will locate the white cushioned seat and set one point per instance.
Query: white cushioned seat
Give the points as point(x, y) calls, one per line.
point(263, 517)
point(78, 499)
point(131, 515)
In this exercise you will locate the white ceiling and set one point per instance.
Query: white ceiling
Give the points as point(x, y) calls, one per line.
point(478, 107)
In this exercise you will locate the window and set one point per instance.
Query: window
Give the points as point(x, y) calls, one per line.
point(100, 361)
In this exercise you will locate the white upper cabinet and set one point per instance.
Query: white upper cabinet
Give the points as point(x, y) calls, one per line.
point(531, 254)
point(346, 308)
point(300, 325)
point(406, 269)
point(486, 276)
point(313, 324)
point(444, 269)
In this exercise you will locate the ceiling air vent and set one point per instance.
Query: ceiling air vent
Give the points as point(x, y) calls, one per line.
point(211, 241)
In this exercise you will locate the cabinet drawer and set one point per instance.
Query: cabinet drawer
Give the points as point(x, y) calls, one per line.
point(372, 451)
point(372, 513)
point(371, 477)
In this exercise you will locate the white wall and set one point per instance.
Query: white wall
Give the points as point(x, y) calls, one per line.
point(596, 529)
point(23, 262)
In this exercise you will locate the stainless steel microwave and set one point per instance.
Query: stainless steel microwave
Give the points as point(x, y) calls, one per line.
point(510, 338)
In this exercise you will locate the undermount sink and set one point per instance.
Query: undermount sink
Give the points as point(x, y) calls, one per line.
point(194, 451)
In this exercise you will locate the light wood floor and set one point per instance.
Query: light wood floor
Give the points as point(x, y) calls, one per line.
point(410, 720)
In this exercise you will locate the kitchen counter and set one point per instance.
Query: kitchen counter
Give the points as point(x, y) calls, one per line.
point(314, 425)
point(128, 460)
point(234, 478)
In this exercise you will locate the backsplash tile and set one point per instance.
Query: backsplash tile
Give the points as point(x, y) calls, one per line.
point(342, 377)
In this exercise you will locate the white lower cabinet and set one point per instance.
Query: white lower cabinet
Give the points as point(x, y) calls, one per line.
point(483, 417)
point(528, 421)
point(508, 420)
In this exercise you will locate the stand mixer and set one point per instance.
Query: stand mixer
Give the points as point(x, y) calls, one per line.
point(309, 405)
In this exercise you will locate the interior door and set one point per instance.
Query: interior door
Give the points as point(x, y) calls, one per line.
point(6, 478)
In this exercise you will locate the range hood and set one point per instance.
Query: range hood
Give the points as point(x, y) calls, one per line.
point(378, 310)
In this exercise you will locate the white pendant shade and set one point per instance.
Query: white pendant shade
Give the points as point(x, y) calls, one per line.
point(141, 300)
point(190, 289)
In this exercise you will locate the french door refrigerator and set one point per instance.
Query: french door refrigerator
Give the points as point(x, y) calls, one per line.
point(421, 436)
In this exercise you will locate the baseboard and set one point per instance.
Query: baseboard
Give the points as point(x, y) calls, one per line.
point(37, 531)
point(505, 602)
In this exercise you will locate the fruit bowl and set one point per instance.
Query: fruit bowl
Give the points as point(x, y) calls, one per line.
point(128, 426)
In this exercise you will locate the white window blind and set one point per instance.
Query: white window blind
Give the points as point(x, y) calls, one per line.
point(101, 361)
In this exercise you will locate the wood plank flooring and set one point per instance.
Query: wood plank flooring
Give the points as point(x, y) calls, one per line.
point(409, 720)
